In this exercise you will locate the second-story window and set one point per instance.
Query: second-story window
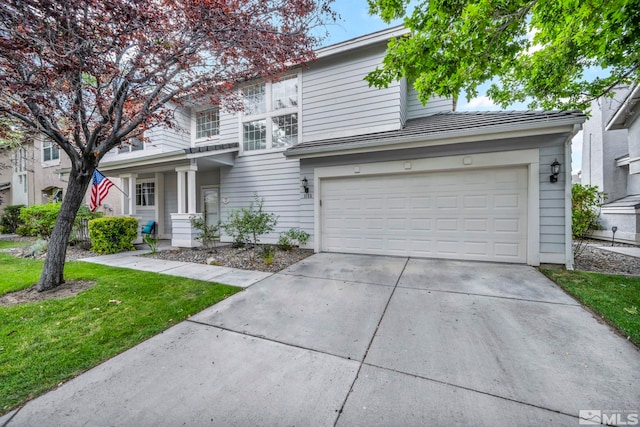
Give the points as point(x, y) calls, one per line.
point(207, 123)
point(134, 144)
point(50, 151)
point(270, 117)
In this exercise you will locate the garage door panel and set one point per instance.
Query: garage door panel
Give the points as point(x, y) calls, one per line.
point(478, 215)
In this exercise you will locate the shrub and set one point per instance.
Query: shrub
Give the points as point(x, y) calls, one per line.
point(246, 225)
point(10, 220)
point(113, 234)
point(585, 204)
point(38, 220)
point(292, 237)
point(36, 249)
point(208, 233)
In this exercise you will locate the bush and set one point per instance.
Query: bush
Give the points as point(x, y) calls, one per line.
point(38, 220)
point(10, 220)
point(208, 233)
point(246, 225)
point(113, 234)
point(585, 210)
point(292, 237)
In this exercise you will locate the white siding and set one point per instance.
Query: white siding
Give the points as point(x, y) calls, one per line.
point(273, 178)
point(173, 139)
point(337, 101)
point(552, 215)
point(415, 108)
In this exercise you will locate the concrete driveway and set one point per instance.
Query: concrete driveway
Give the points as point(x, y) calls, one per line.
point(365, 340)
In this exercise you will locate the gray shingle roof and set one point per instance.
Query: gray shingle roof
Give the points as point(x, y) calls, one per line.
point(446, 125)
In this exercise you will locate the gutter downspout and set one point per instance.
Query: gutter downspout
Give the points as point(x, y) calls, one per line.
point(568, 242)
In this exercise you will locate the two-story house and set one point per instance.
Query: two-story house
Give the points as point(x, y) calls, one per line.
point(361, 169)
point(611, 160)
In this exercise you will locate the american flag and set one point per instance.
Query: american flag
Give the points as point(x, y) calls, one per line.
point(99, 189)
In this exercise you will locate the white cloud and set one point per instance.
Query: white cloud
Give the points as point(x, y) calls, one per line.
point(479, 103)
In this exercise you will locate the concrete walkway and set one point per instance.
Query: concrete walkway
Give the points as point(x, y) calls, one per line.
point(626, 250)
point(210, 273)
point(349, 340)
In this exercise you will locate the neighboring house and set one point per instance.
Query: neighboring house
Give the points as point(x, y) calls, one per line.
point(5, 177)
point(362, 170)
point(31, 174)
point(611, 160)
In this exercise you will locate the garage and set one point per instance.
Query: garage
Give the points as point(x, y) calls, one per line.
point(472, 214)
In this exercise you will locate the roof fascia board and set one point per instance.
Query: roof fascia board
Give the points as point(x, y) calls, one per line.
point(619, 119)
point(358, 42)
point(469, 135)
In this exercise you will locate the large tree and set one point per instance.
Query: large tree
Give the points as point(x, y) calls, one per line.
point(90, 74)
point(551, 53)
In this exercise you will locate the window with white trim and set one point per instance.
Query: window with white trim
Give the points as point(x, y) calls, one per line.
point(270, 116)
point(207, 123)
point(50, 151)
point(145, 194)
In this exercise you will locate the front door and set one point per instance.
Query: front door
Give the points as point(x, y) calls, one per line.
point(211, 205)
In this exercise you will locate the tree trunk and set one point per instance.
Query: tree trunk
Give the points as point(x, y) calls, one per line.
point(53, 270)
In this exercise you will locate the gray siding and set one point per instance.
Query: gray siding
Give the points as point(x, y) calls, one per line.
point(273, 178)
point(552, 214)
point(415, 108)
point(306, 203)
point(337, 100)
point(229, 127)
point(403, 101)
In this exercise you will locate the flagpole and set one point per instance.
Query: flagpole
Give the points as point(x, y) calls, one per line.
point(118, 188)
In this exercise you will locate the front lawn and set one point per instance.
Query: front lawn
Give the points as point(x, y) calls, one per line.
point(615, 298)
point(44, 343)
point(4, 244)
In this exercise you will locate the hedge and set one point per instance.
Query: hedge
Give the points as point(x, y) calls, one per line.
point(113, 234)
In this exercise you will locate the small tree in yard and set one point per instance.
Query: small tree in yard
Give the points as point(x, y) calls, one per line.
point(91, 75)
point(246, 225)
point(585, 205)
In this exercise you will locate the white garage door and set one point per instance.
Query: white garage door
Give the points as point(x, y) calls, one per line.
point(470, 214)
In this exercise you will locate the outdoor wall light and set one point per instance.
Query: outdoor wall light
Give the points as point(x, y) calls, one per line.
point(305, 184)
point(555, 171)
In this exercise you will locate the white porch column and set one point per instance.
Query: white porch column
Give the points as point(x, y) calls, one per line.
point(187, 196)
point(181, 195)
point(129, 203)
point(191, 190)
point(183, 234)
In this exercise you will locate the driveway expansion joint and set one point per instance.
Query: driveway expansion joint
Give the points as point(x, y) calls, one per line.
point(491, 296)
point(486, 393)
point(262, 337)
point(346, 398)
point(338, 280)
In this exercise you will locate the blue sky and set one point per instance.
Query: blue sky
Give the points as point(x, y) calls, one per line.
point(355, 21)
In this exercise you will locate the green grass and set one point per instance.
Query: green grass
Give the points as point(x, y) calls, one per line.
point(615, 298)
point(4, 244)
point(45, 343)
